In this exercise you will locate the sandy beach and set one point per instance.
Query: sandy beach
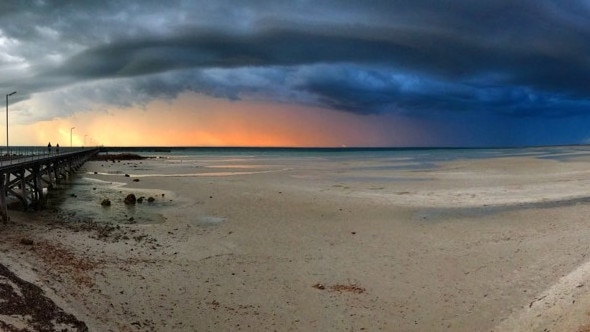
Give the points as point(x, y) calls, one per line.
point(316, 244)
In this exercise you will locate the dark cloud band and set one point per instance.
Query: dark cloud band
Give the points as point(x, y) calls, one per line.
point(515, 58)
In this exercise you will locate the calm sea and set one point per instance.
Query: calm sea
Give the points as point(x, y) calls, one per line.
point(412, 157)
point(80, 199)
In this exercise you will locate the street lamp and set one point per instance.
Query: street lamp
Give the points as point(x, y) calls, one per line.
point(71, 129)
point(8, 95)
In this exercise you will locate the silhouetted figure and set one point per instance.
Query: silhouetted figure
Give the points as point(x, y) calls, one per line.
point(57, 148)
point(49, 147)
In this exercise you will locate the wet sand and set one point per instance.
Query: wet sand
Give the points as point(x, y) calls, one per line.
point(314, 244)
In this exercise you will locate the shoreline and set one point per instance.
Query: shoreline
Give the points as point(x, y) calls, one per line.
point(316, 246)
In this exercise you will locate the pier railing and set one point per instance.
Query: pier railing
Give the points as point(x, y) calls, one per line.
point(15, 155)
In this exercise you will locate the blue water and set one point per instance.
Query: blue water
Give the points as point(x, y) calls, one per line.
point(400, 158)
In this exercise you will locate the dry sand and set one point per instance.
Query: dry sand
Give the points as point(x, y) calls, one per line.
point(319, 245)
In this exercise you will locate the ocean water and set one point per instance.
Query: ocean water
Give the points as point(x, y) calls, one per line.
point(381, 158)
point(80, 199)
point(441, 154)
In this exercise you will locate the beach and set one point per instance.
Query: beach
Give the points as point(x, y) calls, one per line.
point(312, 242)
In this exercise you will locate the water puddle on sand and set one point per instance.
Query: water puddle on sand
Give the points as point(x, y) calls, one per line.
point(81, 201)
point(227, 173)
point(209, 220)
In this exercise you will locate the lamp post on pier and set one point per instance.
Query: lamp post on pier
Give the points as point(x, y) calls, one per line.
point(71, 129)
point(8, 95)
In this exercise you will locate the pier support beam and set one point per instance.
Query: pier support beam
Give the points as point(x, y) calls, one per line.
point(18, 186)
point(3, 206)
point(37, 177)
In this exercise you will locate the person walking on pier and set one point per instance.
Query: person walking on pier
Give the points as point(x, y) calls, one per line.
point(57, 148)
point(49, 147)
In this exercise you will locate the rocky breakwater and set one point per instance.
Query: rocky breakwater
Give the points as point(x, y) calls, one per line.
point(117, 157)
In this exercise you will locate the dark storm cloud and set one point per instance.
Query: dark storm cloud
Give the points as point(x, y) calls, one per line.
point(361, 90)
point(517, 58)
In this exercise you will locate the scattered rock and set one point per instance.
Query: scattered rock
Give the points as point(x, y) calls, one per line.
point(151, 199)
point(319, 286)
point(127, 175)
point(26, 242)
point(106, 202)
point(352, 288)
point(140, 237)
point(130, 199)
point(135, 180)
point(73, 195)
point(140, 200)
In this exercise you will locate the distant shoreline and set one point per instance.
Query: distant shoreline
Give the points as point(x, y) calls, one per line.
point(161, 149)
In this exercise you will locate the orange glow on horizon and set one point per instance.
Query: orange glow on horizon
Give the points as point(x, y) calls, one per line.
point(196, 120)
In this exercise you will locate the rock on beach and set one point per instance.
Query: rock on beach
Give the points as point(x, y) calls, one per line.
point(130, 199)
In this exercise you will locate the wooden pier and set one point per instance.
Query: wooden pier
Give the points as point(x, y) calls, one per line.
point(24, 173)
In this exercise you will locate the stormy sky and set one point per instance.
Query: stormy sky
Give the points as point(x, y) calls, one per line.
point(457, 72)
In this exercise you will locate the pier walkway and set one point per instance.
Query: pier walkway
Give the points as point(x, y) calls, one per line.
point(24, 172)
